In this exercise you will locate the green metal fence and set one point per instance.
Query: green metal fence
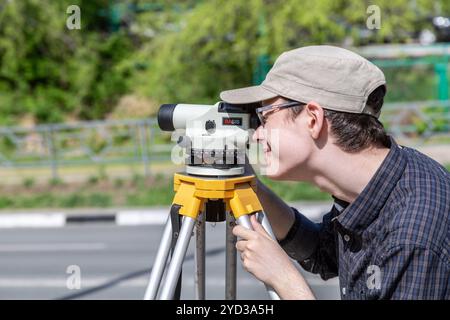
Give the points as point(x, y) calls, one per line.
point(83, 143)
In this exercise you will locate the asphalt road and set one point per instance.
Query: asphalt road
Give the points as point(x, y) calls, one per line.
point(114, 263)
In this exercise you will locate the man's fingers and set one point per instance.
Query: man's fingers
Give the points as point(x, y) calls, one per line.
point(255, 224)
point(241, 245)
point(244, 233)
point(258, 227)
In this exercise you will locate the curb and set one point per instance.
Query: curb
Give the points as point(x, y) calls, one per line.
point(61, 219)
point(122, 217)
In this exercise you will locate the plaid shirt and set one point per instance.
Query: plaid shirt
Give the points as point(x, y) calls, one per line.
point(392, 242)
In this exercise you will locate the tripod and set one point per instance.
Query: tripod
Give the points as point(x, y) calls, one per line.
point(219, 199)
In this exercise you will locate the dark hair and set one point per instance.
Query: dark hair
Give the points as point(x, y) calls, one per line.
point(354, 131)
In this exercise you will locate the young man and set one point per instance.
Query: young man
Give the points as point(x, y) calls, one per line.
point(387, 234)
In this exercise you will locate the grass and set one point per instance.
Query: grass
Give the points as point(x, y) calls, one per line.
point(94, 192)
point(294, 191)
point(28, 182)
point(77, 173)
point(49, 200)
point(135, 191)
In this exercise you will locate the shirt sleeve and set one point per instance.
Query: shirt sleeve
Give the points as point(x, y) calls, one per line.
point(313, 245)
point(411, 272)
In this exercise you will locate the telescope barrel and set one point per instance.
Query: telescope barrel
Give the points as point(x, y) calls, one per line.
point(175, 116)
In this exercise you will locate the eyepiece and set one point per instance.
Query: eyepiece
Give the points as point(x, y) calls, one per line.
point(165, 117)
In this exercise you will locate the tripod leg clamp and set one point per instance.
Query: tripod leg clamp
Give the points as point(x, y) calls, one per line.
point(185, 197)
point(245, 201)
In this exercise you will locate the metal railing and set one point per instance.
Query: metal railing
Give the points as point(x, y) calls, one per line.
point(418, 122)
point(81, 143)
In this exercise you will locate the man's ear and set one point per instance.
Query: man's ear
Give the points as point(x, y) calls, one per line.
point(315, 118)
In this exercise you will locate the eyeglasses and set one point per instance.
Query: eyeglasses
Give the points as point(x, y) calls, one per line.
point(271, 108)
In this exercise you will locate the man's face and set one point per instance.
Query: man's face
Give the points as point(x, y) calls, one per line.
point(285, 141)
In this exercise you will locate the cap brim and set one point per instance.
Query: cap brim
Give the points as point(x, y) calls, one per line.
point(247, 95)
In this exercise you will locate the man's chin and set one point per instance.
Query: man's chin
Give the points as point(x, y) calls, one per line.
point(273, 172)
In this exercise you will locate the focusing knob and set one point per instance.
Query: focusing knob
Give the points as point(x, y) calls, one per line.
point(210, 126)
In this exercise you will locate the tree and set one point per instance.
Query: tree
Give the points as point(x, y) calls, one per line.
point(168, 50)
point(216, 45)
point(51, 72)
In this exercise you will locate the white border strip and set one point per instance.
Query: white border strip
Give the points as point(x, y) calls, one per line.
point(156, 216)
point(32, 220)
point(140, 217)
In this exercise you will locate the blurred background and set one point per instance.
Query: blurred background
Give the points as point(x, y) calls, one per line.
point(78, 133)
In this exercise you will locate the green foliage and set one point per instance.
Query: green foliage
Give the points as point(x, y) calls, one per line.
point(55, 182)
point(102, 174)
point(118, 183)
point(49, 71)
point(28, 182)
point(417, 83)
point(93, 180)
point(162, 195)
point(161, 177)
point(292, 191)
point(157, 191)
point(216, 45)
point(51, 200)
point(174, 51)
point(137, 180)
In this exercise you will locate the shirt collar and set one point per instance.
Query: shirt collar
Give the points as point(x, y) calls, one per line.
point(358, 215)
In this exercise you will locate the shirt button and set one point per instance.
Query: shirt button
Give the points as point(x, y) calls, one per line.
point(346, 238)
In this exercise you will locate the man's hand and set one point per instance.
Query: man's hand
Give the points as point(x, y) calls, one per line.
point(266, 260)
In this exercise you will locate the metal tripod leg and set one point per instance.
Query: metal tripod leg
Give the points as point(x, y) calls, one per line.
point(176, 262)
point(200, 257)
point(245, 222)
point(230, 260)
point(262, 218)
point(160, 262)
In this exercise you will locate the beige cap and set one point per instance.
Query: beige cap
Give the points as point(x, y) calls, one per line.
point(335, 78)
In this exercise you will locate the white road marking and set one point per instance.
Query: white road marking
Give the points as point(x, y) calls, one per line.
point(97, 281)
point(87, 282)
